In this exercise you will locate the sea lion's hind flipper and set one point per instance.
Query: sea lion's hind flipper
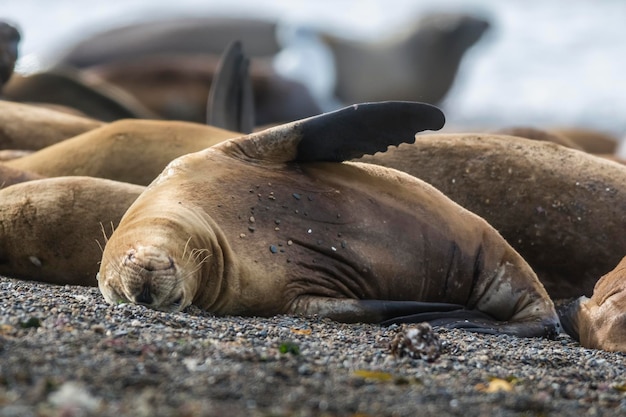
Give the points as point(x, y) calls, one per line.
point(231, 101)
point(366, 311)
point(479, 322)
point(341, 135)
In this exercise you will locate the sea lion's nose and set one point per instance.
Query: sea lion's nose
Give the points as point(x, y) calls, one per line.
point(150, 258)
point(145, 296)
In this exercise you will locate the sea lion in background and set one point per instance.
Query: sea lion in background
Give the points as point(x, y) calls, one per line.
point(50, 228)
point(132, 150)
point(419, 64)
point(30, 127)
point(9, 154)
point(599, 322)
point(538, 134)
point(176, 87)
point(67, 87)
point(188, 35)
point(9, 43)
point(561, 209)
point(273, 223)
point(591, 140)
point(10, 176)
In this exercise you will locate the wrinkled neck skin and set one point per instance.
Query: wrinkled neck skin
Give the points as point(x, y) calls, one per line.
point(167, 257)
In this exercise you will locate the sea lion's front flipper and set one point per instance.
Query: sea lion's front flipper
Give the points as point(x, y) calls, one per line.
point(231, 101)
point(341, 135)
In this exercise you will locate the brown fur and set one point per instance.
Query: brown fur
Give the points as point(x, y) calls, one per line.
point(28, 127)
point(10, 176)
point(133, 151)
point(176, 87)
point(600, 321)
point(52, 229)
point(562, 209)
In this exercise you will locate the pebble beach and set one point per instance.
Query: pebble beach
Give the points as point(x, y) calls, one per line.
point(65, 352)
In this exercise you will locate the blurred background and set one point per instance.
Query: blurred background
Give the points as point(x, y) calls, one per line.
point(540, 63)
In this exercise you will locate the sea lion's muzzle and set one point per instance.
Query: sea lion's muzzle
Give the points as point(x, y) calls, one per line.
point(149, 258)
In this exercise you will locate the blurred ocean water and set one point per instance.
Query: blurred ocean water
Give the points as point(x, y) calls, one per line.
point(543, 63)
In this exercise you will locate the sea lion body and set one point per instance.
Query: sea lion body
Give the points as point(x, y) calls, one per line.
point(29, 127)
point(599, 322)
point(132, 150)
point(10, 176)
point(561, 209)
point(176, 87)
point(257, 226)
point(52, 229)
point(419, 64)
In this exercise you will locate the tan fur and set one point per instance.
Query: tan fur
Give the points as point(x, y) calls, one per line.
point(28, 127)
point(591, 140)
point(53, 229)
point(602, 318)
point(133, 151)
point(230, 212)
point(10, 176)
point(562, 209)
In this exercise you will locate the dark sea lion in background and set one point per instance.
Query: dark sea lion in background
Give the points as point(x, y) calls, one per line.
point(231, 100)
point(9, 43)
point(71, 88)
point(10, 176)
point(273, 223)
point(30, 127)
point(188, 35)
point(176, 86)
point(420, 64)
point(50, 229)
point(599, 322)
point(563, 210)
point(132, 150)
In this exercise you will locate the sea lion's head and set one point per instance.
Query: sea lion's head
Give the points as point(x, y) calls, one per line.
point(599, 322)
point(161, 255)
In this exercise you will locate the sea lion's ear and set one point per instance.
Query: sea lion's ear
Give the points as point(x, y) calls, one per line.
point(231, 101)
point(341, 135)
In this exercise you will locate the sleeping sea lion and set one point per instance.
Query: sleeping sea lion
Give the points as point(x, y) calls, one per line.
point(187, 35)
point(30, 127)
point(561, 209)
point(419, 64)
point(92, 96)
point(599, 322)
point(50, 228)
point(132, 150)
point(10, 176)
point(176, 86)
point(274, 223)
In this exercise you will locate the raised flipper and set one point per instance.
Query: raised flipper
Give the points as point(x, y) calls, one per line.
point(341, 135)
point(231, 100)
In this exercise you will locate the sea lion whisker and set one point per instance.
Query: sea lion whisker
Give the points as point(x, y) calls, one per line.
point(186, 247)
